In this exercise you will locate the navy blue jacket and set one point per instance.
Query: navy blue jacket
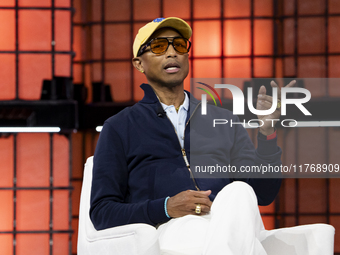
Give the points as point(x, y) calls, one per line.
point(138, 162)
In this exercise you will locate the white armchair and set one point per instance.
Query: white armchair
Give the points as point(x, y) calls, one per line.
point(142, 239)
point(133, 239)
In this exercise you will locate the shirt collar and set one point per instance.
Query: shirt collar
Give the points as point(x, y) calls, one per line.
point(185, 103)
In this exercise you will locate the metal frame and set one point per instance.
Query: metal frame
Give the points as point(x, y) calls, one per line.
point(280, 212)
point(278, 19)
point(51, 187)
point(17, 52)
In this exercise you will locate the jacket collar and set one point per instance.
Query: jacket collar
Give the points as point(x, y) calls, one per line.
point(149, 95)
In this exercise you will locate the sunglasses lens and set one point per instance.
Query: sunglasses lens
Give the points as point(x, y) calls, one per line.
point(159, 45)
point(181, 45)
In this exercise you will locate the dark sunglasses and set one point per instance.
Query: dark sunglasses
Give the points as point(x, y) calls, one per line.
point(161, 45)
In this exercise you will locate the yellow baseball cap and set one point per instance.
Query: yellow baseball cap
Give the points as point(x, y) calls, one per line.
point(146, 31)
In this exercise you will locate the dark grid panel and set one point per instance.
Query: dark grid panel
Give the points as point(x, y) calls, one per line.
point(295, 214)
point(305, 201)
point(94, 28)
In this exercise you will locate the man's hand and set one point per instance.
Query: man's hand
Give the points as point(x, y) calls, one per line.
point(184, 203)
point(264, 102)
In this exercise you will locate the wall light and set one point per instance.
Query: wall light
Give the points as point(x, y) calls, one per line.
point(30, 129)
point(315, 124)
point(291, 124)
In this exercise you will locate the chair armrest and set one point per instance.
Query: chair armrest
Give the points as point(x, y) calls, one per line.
point(121, 231)
point(129, 239)
point(313, 239)
point(132, 239)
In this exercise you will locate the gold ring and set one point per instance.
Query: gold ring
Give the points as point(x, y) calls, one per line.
point(278, 106)
point(198, 209)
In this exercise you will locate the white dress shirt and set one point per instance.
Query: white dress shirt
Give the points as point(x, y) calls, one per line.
point(178, 118)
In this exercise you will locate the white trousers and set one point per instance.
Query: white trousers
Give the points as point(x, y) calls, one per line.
point(233, 227)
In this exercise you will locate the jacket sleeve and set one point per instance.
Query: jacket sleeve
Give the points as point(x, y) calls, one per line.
point(110, 187)
point(266, 186)
point(267, 153)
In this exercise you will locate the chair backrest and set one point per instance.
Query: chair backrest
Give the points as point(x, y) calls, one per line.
point(85, 223)
point(130, 239)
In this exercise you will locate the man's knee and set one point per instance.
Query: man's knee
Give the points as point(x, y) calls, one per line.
point(238, 190)
point(237, 197)
point(239, 186)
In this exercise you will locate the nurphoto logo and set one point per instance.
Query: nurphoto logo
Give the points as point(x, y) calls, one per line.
point(238, 103)
point(204, 96)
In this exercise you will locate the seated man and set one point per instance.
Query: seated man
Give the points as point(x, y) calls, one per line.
point(141, 168)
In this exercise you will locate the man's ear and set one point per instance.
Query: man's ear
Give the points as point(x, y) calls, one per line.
point(137, 63)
